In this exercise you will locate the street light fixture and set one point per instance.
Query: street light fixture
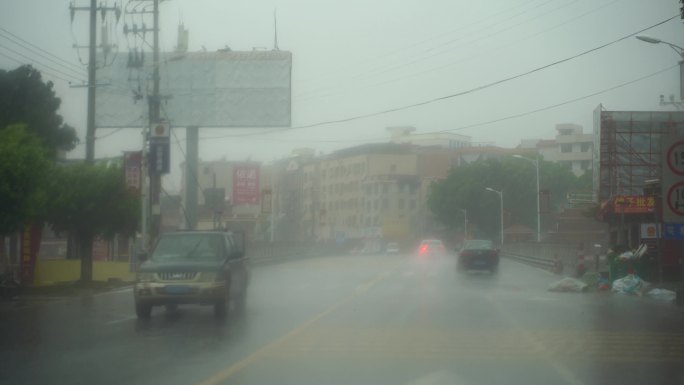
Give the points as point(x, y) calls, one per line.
point(653, 40)
point(465, 223)
point(680, 52)
point(502, 211)
point(535, 161)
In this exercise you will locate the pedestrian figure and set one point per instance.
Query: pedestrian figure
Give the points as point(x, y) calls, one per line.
point(557, 264)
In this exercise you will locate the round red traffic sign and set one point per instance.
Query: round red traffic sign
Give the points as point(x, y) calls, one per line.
point(675, 198)
point(675, 158)
point(160, 130)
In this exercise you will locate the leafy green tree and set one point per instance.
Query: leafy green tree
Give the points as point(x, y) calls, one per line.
point(88, 201)
point(23, 166)
point(465, 188)
point(26, 99)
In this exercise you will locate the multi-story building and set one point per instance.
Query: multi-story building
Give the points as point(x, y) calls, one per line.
point(361, 189)
point(406, 135)
point(571, 148)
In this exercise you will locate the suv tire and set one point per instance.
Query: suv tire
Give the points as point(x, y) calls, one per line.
point(143, 310)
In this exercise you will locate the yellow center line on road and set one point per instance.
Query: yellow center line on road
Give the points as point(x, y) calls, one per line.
point(230, 371)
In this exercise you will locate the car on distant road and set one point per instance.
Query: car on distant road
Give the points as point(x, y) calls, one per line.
point(392, 248)
point(478, 254)
point(192, 267)
point(431, 247)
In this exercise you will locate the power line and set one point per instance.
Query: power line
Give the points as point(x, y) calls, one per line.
point(396, 66)
point(460, 28)
point(46, 57)
point(31, 60)
point(42, 71)
point(560, 104)
point(66, 63)
point(509, 117)
point(457, 94)
point(317, 93)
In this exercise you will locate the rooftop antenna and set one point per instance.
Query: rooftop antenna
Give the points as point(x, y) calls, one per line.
point(275, 30)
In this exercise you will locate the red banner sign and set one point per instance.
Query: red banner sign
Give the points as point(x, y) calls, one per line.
point(30, 244)
point(246, 184)
point(132, 168)
point(635, 204)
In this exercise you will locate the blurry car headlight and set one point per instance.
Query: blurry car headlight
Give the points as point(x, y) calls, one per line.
point(146, 277)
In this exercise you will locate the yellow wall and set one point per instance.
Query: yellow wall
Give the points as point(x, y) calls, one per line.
point(50, 272)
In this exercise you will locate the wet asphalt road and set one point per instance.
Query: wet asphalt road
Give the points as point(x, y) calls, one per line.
point(355, 320)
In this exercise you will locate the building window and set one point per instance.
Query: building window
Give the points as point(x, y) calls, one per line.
point(385, 188)
point(369, 189)
point(566, 147)
point(393, 168)
point(401, 204)
point(586, 147)
point(385, 203)
point(413, 204)
point(585, 164)
point(376, 204)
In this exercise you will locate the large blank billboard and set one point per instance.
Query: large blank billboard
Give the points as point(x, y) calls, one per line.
point(203, 89)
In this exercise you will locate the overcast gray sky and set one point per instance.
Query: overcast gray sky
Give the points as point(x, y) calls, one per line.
point(355, 57)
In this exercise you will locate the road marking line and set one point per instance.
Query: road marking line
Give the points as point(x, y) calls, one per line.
point(566, 374)
point(230, 371)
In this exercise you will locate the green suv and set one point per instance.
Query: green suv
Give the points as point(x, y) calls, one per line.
point(192, 267)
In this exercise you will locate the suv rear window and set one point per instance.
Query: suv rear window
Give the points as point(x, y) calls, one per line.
point(189, 246)
point(479, 244)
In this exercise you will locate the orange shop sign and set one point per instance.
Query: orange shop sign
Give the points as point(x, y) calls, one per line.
point(634, 204)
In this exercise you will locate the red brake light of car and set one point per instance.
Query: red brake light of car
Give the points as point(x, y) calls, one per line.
point(423, 249)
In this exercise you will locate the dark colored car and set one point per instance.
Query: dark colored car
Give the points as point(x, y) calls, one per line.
point(192, 267)
point(478, 254)
point(430, 247)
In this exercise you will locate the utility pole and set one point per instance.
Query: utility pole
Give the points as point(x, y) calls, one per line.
point(155, 106)
point(92, 69)
point(156, 141)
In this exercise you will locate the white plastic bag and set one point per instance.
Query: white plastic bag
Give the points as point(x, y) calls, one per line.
point(630, 284)
point(568, 284)
point(662, 294)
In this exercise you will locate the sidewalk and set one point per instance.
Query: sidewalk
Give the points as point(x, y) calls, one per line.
point(32, 295)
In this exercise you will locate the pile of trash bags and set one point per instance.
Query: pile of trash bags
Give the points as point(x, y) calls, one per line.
point(630, 284)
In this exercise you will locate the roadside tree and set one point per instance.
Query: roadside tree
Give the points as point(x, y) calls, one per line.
point(88, 201)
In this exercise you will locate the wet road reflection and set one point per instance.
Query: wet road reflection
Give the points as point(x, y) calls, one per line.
point(355, 319)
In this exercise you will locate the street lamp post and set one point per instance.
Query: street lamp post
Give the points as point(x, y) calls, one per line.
point(465, 223)
point(502, 211)
point(535, 161)
point(679, 50)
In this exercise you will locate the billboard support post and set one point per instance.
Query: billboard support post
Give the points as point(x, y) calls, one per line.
point(191, 160)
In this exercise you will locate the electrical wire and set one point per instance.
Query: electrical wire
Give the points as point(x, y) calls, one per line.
point(43, 71)
point(395, 66)
point(66, 63)
point(37, 62)
point(437, 36)
point(457, 94)
point(79, 72)
point(498, 120)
